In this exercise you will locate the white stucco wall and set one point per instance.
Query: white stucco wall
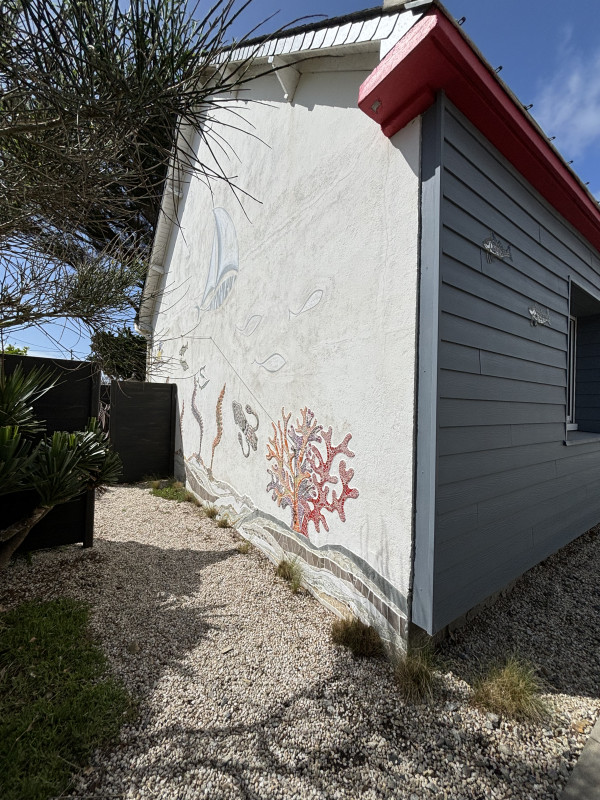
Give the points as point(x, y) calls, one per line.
point(321, 314)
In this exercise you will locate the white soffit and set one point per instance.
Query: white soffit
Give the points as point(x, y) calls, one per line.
point(386, 29)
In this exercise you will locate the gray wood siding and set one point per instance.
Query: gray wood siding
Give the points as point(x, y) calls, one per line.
point(508, 490)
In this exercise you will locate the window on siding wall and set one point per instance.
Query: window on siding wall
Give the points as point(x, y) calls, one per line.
point(583, 362)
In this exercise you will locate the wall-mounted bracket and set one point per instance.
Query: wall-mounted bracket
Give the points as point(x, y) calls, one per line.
point(287, 76)
point(228, 74)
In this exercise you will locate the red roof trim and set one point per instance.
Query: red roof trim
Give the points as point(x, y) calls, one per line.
point(434, 56)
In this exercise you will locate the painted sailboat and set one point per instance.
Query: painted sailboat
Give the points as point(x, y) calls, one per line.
point(224, 262)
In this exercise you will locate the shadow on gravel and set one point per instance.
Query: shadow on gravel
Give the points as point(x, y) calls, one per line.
point(326, 742)
point(347, 735)
point(140, 599)
point(555, 623)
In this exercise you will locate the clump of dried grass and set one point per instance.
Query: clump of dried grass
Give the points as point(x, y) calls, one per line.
point(291, 572)
point(512, 690)
point(361, 639)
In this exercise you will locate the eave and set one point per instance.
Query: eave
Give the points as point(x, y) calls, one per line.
point(436, 56)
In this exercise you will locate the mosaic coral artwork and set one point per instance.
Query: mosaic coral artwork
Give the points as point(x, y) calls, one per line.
point(303, 467)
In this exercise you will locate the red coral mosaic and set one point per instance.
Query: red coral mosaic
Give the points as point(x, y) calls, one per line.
point(303, 471)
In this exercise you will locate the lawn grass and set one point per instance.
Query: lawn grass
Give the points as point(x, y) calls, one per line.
point(55, 707)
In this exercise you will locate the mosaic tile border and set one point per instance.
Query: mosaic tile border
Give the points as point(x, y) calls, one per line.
point(313, 557)
point(290, 545)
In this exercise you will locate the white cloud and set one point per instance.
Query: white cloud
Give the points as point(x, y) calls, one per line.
point(568, 104)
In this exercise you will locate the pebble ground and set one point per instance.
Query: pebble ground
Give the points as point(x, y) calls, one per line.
point(242, 695)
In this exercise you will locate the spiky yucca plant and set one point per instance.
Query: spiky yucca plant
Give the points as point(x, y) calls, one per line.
point(57, 468)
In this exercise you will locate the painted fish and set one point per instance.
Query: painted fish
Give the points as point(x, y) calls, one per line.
point(311, 301)
point(273, 363)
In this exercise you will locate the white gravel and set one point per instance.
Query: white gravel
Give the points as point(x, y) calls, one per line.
point(243, 696)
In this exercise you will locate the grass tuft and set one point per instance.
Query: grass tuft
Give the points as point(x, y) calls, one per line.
point(511, 690)
point(174, 490)
point(211, 511)
point(414, 674)
point(361, 639)
point(244, 547)
point(224, 522)
point(291, 572)
point(55, 706)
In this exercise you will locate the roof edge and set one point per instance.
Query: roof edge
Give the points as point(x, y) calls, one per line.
point(435, 55)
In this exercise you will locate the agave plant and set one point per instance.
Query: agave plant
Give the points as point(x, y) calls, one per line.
point(57, 468)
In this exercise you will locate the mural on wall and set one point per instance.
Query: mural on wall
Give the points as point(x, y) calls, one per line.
point(251, 325)
point(224, 262)
point(273, 363)
point(495, 249)
point(248, 430)
point(198, 417)
point(219, 415)
point(203, 376)
point(301, 473)
point(182, 361)
point(311, 301)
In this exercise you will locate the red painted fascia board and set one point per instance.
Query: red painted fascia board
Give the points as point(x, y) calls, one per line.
point(434, 56)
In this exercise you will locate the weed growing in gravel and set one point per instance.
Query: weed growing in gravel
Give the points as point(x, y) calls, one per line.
point(512, 690)
point(361, 639)
point(291, 572)
point(224, 522)
point(211, 511)
point(55, 708)
point(414, 673)
point(174, 490)
point(244, 547)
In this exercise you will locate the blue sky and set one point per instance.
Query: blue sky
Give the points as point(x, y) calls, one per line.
point(550, 54)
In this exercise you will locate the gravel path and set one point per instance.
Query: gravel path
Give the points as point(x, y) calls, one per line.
point(243, 695)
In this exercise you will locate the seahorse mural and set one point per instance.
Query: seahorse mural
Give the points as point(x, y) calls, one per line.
point(301, 472)
point(248, 430)
point(219, 414)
